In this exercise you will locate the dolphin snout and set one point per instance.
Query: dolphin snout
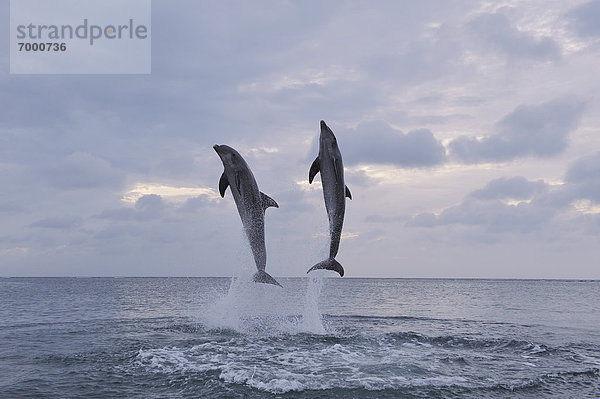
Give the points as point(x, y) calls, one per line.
point(325, 130)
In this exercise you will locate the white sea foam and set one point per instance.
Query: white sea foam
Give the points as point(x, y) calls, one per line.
point(301, 369)
point(271, 365)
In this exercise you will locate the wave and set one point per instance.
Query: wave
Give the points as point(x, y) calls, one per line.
point(390, 361)
point(332, 368)
point(493, 344)
point(574, 382)
point(300, 370)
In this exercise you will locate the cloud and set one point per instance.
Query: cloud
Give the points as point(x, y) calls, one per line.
point(194, 204)
point(11, 207)
point(59, 222)
point(69, 143)
point(151, 203)
point(503, 205)
point(81, 170)
point(515, 188)
point(358, 178)
point(147, 207)
point(497, 33)
point(521, 205)
point(584, 19)
point(583, 178)
point(376, 142)
point(529, 130)
point(425, 59)
point(584, 170)
point(493, 216)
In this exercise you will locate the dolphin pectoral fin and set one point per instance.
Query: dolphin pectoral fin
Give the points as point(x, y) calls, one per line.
point(223, 183)
point(264, 277)
point(314, 169)
point(348, 193)
point(338, 169)
point(268, 201)
point(328, 264)
point(335, 172)
point(237, 183)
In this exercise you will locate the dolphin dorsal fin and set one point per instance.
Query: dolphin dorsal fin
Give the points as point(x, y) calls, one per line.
point(348, 193)
point(267, 201)
point(223, 184)
point(314, 169)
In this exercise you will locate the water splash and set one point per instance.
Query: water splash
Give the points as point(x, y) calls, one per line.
point(312, 319)
point(264, 310)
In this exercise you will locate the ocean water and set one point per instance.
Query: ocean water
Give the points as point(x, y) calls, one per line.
point(317, 337)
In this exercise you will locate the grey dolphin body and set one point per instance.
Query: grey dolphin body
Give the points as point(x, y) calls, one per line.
point(251, 205)
point(335, 191)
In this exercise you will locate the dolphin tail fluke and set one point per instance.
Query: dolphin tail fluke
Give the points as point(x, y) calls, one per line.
point(329, 264)
point(264, 277)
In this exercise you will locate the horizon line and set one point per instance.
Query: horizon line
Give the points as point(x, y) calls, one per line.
point(344, 278)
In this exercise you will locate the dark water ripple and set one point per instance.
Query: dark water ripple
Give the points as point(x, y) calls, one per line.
point(157, 338)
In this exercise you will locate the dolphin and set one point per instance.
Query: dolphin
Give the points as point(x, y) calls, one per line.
point(251, 205)
point(335, 191)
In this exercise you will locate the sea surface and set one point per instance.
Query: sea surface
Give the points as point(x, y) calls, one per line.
point(318, 337)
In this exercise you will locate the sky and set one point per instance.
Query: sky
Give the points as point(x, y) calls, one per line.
point(469, 130)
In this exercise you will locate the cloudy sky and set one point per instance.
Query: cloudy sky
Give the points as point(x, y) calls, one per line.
point(470, 133)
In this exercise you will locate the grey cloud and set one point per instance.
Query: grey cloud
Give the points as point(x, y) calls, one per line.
point(423, 60)
point(584, 19)
point(59, 222)
point(583, 178)
point(425, 219)
point(493, 216)
point(150, 203)
point(429, 99)
point(541, 203)
point(486, 208)
point(197, 203)
point(497, 33)
point(81, 170)
point(139, 234)
point(118, 214)
point(529, 130)
point(342, 99)
point(385, 219)
point(378, 142)
point(438, 119)
point(147, 207)
point(358, 178)
point(293, 201)
point(11, 207)
point(517, 188)
point(584, 170)
point(33, 96)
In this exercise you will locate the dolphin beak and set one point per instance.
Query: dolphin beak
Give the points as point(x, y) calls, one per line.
point(326, 131)
point(217, 149)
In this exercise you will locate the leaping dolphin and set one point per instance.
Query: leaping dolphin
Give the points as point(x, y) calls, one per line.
point(335, 191)
point(251, 205)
